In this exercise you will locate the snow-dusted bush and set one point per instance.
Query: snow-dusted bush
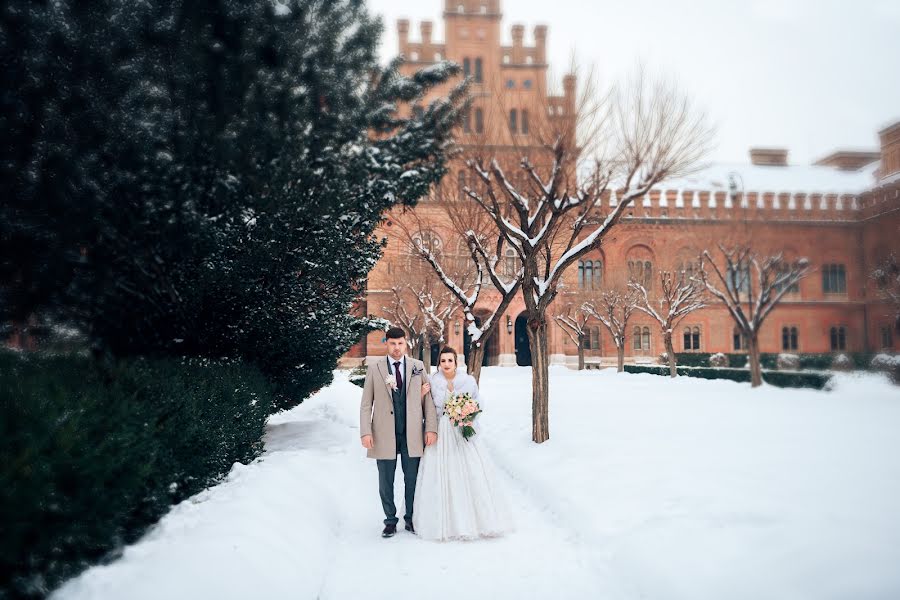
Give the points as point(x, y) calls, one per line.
point(842, 362)
point(788, 362)
point(663, 358)
point(887, 363)
point(718, 360)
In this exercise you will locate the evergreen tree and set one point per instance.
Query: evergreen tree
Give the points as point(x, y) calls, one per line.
point(204, 178)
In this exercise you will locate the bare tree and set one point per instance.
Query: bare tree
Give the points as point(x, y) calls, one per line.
point(640, 135)
point(469, 273)
point(613, 307)
point(887, 280)
point(437, 306)
point(750, 300)
point(403, 313)
point(573, 319)
point(679, 296)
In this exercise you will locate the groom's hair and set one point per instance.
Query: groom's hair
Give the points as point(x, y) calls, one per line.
point(395, 333)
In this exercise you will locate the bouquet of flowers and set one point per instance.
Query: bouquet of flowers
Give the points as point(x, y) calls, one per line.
point(462, 410)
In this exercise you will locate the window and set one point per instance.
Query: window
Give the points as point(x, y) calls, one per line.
point(461, 8)
point(590, 274)
point(510, 84)
point(783, 271)
point(887, 341)
point(738, 279)
point(484, 9)
point(463, 255)
point(461, 184)
point(427, 240)
point(834, 279)
point(740, 340)
point(641, 271)
point(529, 60)
point(438, 57)
point(467, 122)
point(467, 67)
point(414, 56)
point(789, 338)
point(510, 263)
point(592, 338)
point(479, 75)
point(838, 338)
point(479, 120)
point(691, 338)
point(513, 121)
point(506, 59)
point(641, 338)
point(525, 125)
point(527, 84)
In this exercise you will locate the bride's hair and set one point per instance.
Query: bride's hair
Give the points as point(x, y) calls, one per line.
point(449, 350)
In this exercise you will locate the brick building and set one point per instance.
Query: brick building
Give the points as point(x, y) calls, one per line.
point(841, 213)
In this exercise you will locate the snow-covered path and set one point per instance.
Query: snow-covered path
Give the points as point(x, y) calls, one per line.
point(304, 521)
point(648, 488)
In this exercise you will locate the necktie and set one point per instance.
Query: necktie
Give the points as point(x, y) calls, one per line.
point(397, 373)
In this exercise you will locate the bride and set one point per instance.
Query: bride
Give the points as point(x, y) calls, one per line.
point(457, 494)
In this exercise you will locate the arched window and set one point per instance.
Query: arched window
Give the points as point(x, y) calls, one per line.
point(479, 120)
point(513, 120)
point(463, 256)
point(510, 84)
point(461, 8)
point(887, 339)
point(479, 74)
point(838, 338)
point(467, 67)
point(467, 121)
point(428, 240)
point(738, 278)
point(510, 263)
point(789, 338)
point(438, 57)
point(834, 279)
point(595, 338)
point(525, 124)
point(506, 59)
point(641, 271)
point(590, 274)
point(414, 56)
point(645, 338)
point(484, 9)
point(636, 334)
point(527, 84)
point(529, 60)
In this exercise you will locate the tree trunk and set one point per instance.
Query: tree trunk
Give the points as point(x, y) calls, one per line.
point(670, 354)
point(540, 379)
point(753, 357)
point(476, 357)
point(581, 352)
point(620, 355)
point(426, 354)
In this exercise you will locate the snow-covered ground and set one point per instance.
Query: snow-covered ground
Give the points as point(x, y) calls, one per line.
point(649, 488)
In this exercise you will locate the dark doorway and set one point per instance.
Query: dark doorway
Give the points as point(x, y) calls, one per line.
point(435, 353)
point(467, 343)
point(523, 350)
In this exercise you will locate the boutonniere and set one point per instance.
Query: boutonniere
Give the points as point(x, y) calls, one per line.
point(390, 382)
point(416, 371)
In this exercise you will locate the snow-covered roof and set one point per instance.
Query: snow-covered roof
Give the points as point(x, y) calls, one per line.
point(799, 179)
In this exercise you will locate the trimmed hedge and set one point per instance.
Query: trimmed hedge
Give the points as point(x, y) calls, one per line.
point(790, 379)
point(90, 457)
point(769, 360)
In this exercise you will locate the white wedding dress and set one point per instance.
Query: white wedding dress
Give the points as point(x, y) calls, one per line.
point(457, 493)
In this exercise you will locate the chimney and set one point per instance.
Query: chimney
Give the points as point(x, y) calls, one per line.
point(403, 34)
point(518, 33)
point(769, 157)
point(540, 44)
point(890, 151)
point(848, 160)
point(425, 28)
point(569, 82)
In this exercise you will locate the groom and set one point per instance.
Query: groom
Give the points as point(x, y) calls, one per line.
point(393, 417)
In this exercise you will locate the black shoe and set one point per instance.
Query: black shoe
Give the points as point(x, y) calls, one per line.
point(409, 527)
point(389, 531)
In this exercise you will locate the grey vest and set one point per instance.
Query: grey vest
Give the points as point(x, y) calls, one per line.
point(399, 398)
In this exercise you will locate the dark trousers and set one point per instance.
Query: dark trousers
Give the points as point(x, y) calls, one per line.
point(386, 470)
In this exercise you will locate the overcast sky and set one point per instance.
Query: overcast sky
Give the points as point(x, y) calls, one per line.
point(809, 75)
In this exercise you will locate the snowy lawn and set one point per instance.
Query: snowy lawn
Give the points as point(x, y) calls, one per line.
point(648, 488)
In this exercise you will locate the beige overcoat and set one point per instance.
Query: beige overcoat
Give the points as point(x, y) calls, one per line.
point(376, 412)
